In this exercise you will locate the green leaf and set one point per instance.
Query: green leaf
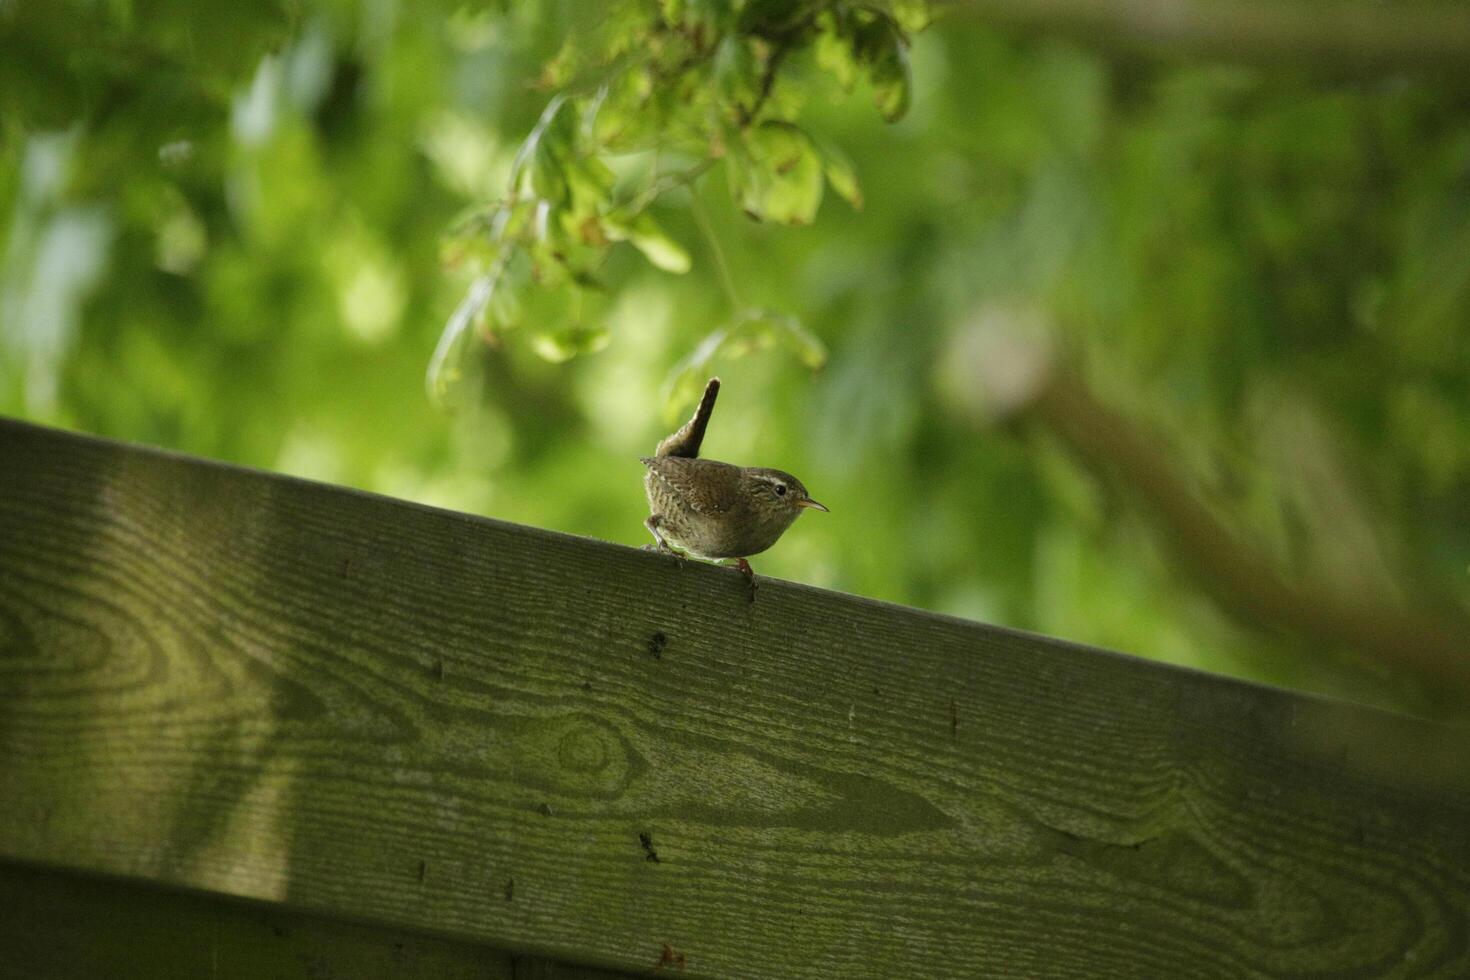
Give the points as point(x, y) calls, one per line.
point(701, 19)
point(559, 346)
point(590, 181)
point(536, 144)
point(840, 172)
point(892, 81)
point(736, 77)
point(834, 49)
point(506, 309)
point(547, 179)
point(751, 330)
point(713, 16)
point(912, 15)
point(806, 345)
point(776, 175)
point(564, 245)
point(880, 45)
point(553, 154)
point(758, 329)
point(648, 237)
point(657, 246)
point(445, 371)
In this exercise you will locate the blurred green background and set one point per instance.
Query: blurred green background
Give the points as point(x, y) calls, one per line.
point(224, 229)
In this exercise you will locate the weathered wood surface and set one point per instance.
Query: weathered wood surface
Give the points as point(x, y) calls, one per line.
point(267, 688)
point(61, 926)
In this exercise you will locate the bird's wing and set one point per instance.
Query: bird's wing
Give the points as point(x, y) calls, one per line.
point(701, 484)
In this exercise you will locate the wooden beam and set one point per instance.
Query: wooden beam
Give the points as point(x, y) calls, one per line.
point(335, 702)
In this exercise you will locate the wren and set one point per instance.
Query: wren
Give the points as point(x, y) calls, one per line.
point(716, 510)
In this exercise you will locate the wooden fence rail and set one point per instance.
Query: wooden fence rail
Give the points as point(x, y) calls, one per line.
point(352, 707)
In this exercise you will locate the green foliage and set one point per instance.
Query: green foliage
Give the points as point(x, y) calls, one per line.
point(776, 175)
point(751, 330)
point(691, 82)
point(247, 246)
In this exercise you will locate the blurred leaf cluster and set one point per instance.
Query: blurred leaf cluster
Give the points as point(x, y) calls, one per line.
point(645, 102)
point(240, 230)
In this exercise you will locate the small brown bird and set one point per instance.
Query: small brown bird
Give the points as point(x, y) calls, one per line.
point(712, 509)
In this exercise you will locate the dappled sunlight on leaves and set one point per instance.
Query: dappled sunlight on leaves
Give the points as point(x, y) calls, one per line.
point(698, 81)
point(249, 241)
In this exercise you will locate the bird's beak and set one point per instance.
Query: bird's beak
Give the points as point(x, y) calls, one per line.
point(809, 502)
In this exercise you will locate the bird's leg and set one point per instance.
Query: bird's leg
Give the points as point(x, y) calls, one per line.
point(749, 574)
point(746, 570)
point(652, 524)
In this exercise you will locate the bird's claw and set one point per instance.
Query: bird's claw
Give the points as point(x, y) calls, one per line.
point(664, 549)
point(749, 573)
point(653, 524)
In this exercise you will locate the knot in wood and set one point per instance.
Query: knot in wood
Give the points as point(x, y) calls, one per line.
point(584, 750)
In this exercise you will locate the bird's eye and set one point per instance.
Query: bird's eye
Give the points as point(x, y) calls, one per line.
point(780, 490)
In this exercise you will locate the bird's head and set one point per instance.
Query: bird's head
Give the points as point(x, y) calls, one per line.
point(777, 494)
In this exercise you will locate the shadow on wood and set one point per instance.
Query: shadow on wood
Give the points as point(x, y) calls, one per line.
point(61, 926)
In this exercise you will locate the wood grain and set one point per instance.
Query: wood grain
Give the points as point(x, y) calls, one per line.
point(272, 689)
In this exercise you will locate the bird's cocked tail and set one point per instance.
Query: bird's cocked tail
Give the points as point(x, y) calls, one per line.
point(686, 441)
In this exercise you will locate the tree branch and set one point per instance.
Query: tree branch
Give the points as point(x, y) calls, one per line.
point(1352, 38)
point(1239, 576)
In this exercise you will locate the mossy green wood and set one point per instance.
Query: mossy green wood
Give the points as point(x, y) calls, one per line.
point(268, 688)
